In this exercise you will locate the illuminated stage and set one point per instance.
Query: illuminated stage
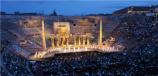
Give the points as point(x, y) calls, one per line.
point(67, 38)
point(49, 53)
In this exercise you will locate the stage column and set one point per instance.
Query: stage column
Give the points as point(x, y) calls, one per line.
point(87, 41)
point(79, 41)
point(67, 41)
point(74, 41)
point(58, 40)
point(83, 40)
point(53, 44)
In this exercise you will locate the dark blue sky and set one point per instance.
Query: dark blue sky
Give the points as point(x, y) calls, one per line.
point(71, 7)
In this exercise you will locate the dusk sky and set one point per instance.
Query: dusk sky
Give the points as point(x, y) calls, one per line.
point(71, 7)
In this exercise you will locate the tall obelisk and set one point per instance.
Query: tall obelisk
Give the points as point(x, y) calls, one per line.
point(100, 33)
point(43, 35)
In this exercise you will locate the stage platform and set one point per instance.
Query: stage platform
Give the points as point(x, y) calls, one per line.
point(50, 52)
